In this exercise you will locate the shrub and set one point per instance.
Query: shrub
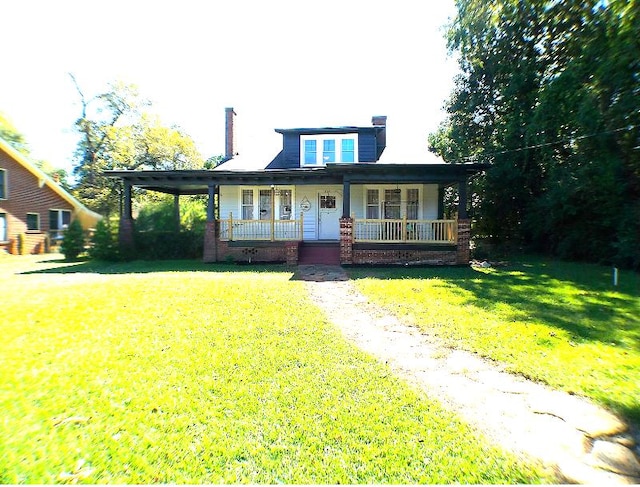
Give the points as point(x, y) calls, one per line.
point(103, 243)
point(73, 242)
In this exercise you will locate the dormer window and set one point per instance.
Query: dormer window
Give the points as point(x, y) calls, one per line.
point(333, 148)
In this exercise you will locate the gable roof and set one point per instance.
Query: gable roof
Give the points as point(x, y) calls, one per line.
point(87, 217)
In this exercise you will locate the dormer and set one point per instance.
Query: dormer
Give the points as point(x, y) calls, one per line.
point(317, 147)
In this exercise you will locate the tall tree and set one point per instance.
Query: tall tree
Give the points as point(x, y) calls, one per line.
point(10, 134)
point(548, 93)
point(117, 133)
point(18, 141)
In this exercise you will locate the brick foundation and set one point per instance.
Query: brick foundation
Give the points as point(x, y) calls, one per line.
point(390, 256)
point(252, 252)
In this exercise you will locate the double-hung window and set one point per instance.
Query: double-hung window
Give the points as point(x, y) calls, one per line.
point(412, 204)
point(285, 204)
point(310, 152)
point(328, 150)
point(348, 150)
point(373, 204)
point(392, 203)
point(3, 184)
point(247, 204)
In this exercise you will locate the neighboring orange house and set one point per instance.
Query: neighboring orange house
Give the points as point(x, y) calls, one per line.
point(33, 205)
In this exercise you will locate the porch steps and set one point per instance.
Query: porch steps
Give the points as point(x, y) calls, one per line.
point(319, 253)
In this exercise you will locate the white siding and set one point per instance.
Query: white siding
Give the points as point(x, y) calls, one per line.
point(311, 216)
point(430, 202)
point(357, 200)
point(229, 202)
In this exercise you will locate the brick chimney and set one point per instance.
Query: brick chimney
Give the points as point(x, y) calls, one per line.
point(229, 149)
point(379, 120)
point(380, 123)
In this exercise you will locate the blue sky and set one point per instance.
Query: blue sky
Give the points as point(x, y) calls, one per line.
point(279, 63)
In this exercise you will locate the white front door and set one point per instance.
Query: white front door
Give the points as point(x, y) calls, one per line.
point(329, 212)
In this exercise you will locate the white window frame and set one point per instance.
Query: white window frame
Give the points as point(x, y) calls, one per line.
point(5, 227)
point(403, 198)
point(38, 227)
point(280, 213)
point(4, 184)
point(61, 224)
point(320, 139)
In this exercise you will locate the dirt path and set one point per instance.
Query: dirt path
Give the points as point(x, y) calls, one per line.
point(582, 442)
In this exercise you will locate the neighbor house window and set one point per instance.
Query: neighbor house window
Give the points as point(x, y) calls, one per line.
point(320, 149)
point(3, 227)
point(247, 204)
point(59, 219)
point(373, 204)
point(3, 184)
point(33, 221)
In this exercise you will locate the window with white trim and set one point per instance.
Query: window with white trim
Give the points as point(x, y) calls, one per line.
point(285, 206)
point(265, 204)
point(3, 227)
point(413, 203)
point(33, 222)
point(3, 184)
point(59, 219)
point(373, 204)
point(334, 148)
point(247, 204)
point(392, 203)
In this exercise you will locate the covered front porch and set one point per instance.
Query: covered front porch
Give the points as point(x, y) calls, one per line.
point(267, 215)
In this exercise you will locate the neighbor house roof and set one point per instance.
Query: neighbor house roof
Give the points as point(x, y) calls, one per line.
point(87, 217)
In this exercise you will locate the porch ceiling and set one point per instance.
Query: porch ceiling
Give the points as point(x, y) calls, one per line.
point(198, 181)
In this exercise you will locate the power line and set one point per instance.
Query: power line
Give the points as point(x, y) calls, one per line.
point(546, 144)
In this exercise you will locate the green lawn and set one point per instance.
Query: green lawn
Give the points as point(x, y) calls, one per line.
point(564, 324)
point(187, 373)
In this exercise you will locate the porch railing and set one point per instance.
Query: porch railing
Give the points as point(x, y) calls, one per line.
point(400, 231)
point(268, 230)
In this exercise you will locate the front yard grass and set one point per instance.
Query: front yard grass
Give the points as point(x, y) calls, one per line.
point(190, 373)
point(563, 324)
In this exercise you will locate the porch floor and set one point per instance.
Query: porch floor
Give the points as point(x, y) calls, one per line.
point(320, 252)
